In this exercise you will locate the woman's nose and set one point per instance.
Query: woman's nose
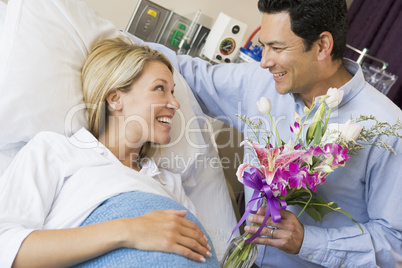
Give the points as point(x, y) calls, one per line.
point(173, 103)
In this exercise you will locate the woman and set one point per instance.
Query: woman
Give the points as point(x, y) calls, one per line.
point(55, 182)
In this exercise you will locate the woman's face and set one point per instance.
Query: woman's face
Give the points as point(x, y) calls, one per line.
point(148, 108)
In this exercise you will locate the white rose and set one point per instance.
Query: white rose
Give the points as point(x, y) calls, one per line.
point(334, 97)
point(264, 105)
point(350, 131)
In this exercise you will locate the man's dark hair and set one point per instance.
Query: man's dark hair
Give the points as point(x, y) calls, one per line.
point(309, 18)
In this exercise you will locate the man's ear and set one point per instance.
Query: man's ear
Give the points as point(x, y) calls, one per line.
point(114, 101)
point(325, 45)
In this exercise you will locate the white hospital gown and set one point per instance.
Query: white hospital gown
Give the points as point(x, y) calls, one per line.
point(56, 182)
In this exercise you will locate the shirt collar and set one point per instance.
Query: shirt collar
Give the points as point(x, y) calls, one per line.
point(350, 89)
point(354, 85)
point(84, 139)
point(151, 169)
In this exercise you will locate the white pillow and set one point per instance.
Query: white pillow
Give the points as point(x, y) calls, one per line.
point(44, 45)
point(3, 10)
point(5, 155)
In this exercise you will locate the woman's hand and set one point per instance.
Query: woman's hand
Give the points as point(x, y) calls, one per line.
point(168, 231)
point(287, 236)
point(159, 230)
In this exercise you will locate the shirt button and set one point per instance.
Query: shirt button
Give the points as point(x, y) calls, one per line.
point(343, 266)
point(309, 256)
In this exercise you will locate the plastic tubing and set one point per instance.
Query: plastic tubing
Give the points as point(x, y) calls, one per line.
point(251, 36)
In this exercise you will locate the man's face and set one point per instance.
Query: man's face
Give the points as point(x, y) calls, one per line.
point(294, 70)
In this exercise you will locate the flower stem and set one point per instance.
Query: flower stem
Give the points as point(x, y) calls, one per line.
point(240, 253)
point(278, 138)
point(326, 120)
point(304, 122)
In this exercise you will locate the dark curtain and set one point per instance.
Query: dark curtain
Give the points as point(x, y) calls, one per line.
point(377, 25)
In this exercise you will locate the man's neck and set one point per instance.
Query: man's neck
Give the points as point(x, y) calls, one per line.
point(337, 78)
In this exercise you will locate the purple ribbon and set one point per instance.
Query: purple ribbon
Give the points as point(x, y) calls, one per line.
point(256, 181)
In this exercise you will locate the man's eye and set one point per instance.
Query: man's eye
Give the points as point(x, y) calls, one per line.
point(277, 48)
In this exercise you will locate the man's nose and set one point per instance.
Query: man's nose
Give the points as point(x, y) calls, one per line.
point(267, 60)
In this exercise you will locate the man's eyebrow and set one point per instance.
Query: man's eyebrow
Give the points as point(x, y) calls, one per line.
point(272, 43)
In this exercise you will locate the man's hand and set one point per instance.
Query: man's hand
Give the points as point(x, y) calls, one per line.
point(287, 236)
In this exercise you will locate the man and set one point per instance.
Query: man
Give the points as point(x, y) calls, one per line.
point(304, 42)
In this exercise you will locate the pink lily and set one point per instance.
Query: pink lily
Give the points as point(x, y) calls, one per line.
point(270, 159)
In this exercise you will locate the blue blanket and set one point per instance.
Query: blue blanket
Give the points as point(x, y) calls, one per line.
point(134, 204)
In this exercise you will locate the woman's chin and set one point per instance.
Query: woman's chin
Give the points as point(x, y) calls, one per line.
point(163, 140)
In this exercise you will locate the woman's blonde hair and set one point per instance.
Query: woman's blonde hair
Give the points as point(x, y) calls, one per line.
point(114, 63)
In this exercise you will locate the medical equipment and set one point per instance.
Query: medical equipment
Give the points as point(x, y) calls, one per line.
point(148, 20)
point(222, 44)
point(250, 53)
point(154, 23)
point(184, 45)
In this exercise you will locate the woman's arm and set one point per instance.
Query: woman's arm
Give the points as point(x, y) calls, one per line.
point(28, 192)
point(158, 230)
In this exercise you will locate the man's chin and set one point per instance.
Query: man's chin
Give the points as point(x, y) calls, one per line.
point(281, 91)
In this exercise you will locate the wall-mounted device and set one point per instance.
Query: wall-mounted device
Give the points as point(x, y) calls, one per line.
point(174, 31)
point(153, 23)
point(148, 20)
point(224, 40)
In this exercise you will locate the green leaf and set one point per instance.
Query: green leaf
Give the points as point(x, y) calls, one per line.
point(317, 134)
point(297, 194)
point(350, 217)
point(318, 208)
point(324, 207)
point(316, 122)
point(313, 213)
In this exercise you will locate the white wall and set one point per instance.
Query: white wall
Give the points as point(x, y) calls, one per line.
point(120, 11)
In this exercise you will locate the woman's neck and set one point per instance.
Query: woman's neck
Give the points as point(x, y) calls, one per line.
point(118, 146)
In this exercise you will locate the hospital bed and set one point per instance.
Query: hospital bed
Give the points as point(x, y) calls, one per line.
point(42, 46)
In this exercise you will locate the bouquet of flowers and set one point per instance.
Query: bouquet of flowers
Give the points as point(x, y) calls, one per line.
point(289, 173)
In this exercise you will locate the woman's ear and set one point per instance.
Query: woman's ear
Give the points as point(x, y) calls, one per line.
point(114, 101)
point(325, 45)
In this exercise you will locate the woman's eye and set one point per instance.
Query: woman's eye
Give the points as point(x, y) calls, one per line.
point(159, 88)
